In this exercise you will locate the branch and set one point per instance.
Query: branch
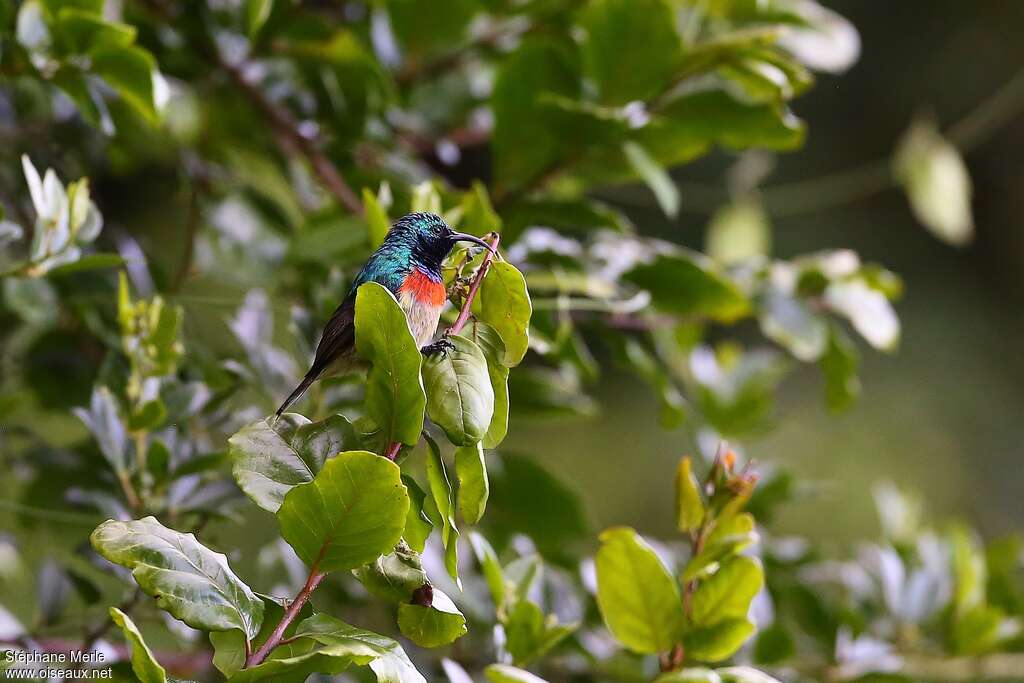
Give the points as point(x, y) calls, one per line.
point(291, 139)
point(467, 306)
point(314, 579)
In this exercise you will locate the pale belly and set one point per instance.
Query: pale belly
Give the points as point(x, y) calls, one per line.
point(423, 318)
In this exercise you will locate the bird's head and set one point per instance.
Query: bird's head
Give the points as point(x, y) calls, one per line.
point(428, 237)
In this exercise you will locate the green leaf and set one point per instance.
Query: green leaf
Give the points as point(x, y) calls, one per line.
point(490, 567)
point(503, 673)
point(423, 27)
point(187, 579)
point(440, 624)
point(494, 351)
point(144, 664)
point(87, 263)
point(471, 469)
point(738, 232)
point(104, 421)
point(637, 596)
point(148, 416)
point(377, 222)
point(133, 73)
point(528, 139)
point(693, 675)
point(460, 399)
point(790, 322)
point(503, 302)
point(978, 630)
point(655, 177)
point(728, 592)
point(937, 183)
point(688, 283)
point(839, 366)
point(82, 32)
point(478, 215)
point(256, 14)
point(268, 460)
point(352, 512)
point(745, 674)
point(443, 498)
point(689, 503)
point(529, 635)
point(631, 47)
point(728, 538)
point(868, 311)
point(394, 576)
point(329, 646)
point(395, 400)
point(229, 649)
point(689, 124)
point(417, 525)
point(717, 642)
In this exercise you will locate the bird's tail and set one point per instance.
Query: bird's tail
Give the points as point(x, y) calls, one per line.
point(299, 391)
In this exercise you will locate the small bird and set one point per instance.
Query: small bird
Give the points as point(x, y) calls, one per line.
point(408, 263)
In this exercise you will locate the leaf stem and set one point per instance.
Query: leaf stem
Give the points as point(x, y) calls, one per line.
point(314, 579)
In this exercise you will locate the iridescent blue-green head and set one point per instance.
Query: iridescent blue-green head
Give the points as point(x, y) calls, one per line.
point(425, 239)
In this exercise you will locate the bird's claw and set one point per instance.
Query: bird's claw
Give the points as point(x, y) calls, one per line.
point(442, 345)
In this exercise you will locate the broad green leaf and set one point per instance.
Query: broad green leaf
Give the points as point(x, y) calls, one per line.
point(443, 500)
point(187, 579)
point(937, 183)
point(689, 124)
point(376, 218)
point(868, 310)
point(637, 596)
point(738, 232)
point(790, 322)
point(423, 27)
point(655, 177)
point(352, 512)
point(83, 32)
point(440, 624)
point(460, 399)
point(329, 646)
point(503, 673)
point(104, 421)
point(529, 635)
point(489, 341)
point(471, 469)
point(745, 674)
point(980, 629)
point(643, 69)
point(689, 503)
point(394, 576)
point(394, 392)
point(717, 642)
point(229, 646)
point(478, 215)
point(528, 138)
point(144, 664)
point(728, 592)
point(692, 675)
point(503, 302)
point(687, 283)
point(133, 73)
point(729, 537)
point(87, 263)
point(417, 524)
point(268, 460)
point(839, 366)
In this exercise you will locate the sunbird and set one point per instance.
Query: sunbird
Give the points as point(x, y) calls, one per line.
point(408, 263)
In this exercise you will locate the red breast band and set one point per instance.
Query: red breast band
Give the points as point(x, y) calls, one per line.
point(423, 288)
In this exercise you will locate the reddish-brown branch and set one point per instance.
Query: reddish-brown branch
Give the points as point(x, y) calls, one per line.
point(291, 139)
point(393, 450)
point(314, 579)
point(467, 306)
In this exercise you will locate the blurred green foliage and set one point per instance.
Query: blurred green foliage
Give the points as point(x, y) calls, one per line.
point(295, 133)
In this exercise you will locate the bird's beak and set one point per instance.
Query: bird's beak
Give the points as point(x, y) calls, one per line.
point(463, 237)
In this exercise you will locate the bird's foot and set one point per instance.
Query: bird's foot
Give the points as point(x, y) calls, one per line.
point(442, 345)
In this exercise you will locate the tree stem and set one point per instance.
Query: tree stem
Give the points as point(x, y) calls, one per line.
point(314, 579)
point(467, 306)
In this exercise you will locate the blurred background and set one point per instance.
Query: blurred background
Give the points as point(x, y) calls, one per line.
point(942, 415)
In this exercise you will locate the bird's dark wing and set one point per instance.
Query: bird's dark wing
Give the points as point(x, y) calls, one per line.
point(338, 340)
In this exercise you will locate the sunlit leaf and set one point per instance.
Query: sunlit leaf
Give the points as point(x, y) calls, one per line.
point(439, 624)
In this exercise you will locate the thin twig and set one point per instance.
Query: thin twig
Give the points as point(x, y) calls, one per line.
point(467, 306)
point(314, 579)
